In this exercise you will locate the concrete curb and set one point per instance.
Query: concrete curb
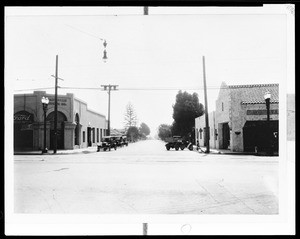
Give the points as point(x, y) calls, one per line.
point(67, 152)
point(235, 153)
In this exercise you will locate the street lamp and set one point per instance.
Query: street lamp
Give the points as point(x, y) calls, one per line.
point(45, 102)
point(267, 97)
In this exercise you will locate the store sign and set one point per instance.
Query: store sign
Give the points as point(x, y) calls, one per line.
point(261, 112)
point(23, 117)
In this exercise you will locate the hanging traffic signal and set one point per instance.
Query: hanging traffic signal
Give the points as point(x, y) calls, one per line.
point(104, 56)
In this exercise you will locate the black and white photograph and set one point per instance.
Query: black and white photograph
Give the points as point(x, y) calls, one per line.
point(149, 120)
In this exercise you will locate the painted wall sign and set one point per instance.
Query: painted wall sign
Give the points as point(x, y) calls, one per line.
point(23, 117)
point(262, 112)
point(60, 101)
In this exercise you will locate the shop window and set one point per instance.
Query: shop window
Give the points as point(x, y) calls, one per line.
point(83, 136)
point(77, 130)
point(93, 135)
point(97, 135)
point(100, 134)
point(222, 106)
point(200, 130)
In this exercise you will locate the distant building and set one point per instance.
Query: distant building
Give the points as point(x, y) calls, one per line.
point(239, 121)
point(77, 127)
point(117, 132)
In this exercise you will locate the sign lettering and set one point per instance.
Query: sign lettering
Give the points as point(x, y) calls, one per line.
point(23, 116)
point(60, 101)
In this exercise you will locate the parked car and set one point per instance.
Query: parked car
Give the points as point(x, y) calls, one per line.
point(124, 140)
point(117, 140)
point(176, 142)
point(107, 143)
point(120, 140)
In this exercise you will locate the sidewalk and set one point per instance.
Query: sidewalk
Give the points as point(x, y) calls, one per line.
point(229, 152)
point(60, 151)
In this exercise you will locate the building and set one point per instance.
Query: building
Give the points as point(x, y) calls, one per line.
point(77, 126)
point(239, 122)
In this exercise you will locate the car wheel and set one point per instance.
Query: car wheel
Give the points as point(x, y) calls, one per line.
point(182, 147)
point(168, 148)
point(104, 149)
point(176, 148)
point(115, 147)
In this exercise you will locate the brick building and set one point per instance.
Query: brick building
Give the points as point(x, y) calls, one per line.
point(77, 127)
point(239, 122)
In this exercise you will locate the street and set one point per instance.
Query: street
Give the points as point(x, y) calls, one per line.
point(145, 178)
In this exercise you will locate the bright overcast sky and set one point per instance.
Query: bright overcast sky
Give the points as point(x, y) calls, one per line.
point(144, 52)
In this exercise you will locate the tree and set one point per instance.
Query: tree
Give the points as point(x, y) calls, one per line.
point(132, 133)
point(144, 129)
point(130, 116)
point(185, 110)
point(164, 131)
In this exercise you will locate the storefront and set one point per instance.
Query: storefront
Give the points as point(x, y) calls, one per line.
point(239, 123)
point(77, 126)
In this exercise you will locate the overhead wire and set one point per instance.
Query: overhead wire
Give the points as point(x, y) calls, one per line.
point(44, 88)
point(132, 89)
point(102, 39)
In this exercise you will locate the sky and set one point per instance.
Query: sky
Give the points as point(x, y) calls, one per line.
point(150, 57)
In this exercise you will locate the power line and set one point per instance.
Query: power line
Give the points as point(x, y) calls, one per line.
point(133, 89)
point(45, 88)
point(85, 32)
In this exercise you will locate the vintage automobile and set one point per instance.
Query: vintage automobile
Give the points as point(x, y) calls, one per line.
point(120, 140)
point(117, 140)
point(176, 142)
point(107, 143)
point(124, 140)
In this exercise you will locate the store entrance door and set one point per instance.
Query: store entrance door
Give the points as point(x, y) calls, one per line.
point(226, 135)
point(89, 139)
point(61, 118)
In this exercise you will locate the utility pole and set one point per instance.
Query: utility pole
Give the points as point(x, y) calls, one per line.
point(145, 229)
point(206, 108)
point(146, 9)
point(55, 108)
point(109, 88)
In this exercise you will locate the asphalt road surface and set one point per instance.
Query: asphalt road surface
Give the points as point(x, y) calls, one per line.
point(145, 178)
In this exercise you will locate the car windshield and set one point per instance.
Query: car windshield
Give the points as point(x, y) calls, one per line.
point(106, 140)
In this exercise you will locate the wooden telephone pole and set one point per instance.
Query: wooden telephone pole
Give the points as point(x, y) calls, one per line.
point(146, 10)
point(55, 108)
point(206, 108)
point(109, 88)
